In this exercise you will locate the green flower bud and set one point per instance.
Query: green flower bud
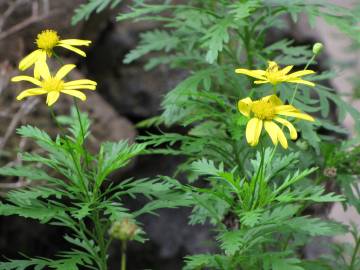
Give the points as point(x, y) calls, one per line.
point(317, 48)
point(124, 229)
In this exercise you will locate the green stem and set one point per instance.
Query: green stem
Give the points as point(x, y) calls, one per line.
point(354, 255)
point(82, 133)
point(123, 255)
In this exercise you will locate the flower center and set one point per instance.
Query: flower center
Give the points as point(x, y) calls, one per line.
point(272, 73)
point(263, 110)
point(52, 84)
point(47, 40)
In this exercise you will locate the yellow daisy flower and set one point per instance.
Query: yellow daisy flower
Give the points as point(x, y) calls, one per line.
point(264, 113)
point(274, 75)
point(46, 41)
point(54, 85)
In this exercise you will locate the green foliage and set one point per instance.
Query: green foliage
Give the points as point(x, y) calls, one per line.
point(84, 11)
point(68, 190)
point(254, 197)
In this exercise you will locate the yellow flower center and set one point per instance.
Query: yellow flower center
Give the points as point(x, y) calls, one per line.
point(263, 110)
point(272, 73)
point(47, 40)
point(52, 84)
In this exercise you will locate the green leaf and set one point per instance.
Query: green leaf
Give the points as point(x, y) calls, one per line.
point(215, 38)
point(84, 11)
point(150, 41)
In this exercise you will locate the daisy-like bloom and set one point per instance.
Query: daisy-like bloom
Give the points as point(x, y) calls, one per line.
point(265, 113)
point(46, 41)
point(54, 85)
point(274, 75)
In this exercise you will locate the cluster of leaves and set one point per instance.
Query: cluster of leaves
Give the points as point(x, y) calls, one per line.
point(69, 187)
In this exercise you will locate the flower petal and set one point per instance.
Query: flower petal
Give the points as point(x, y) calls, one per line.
point(75, 93)
point(42, 58)
point(44, 70)
point(75, 42)
point(258, 74)
point(286, 70)
point(64, 70)
point(26, 78)
point(52, 97)
point(273, 99)
point(31, 92)
point(71, 48)
point(80, 82)
point(300, 73)
point(253, 131)
point(30, 59)
point(282, 139)
point(260, 82)
point(300, 81)
point(244, 106)
point(290, 127)
point(74, 87)
point(298, 115)
point(272, 129)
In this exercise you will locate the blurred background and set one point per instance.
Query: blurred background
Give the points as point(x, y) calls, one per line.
point(126, 94)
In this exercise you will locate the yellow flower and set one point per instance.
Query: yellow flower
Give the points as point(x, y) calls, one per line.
point(46, 41)
point(54, 85)
point(274, 75)
point(264, 113)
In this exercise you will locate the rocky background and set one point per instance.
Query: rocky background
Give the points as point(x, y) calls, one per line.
point(126, 95)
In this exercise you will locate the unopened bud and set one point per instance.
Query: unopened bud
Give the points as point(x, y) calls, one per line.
point(317, 48)
point(330, 172)
point(124, 229)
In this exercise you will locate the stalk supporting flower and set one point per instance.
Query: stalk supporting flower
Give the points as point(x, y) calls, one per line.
point(274, 75)
point(52, 86)
point(46, 41)
point(265, 113)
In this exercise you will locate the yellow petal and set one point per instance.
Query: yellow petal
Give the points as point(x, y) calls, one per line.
point(80, 82)
point(44, 70)
point(282, 139)
point(298, 115)
point(75, 93)
point(30, 59)
point(286, 70)
point(71, 48)
point(52, 97)
point(273, 99)
point(258, 74)
point(26, 78)
point(42, 58)
point(30, 92)
point(285, 108)
point(300, 73)
point(260, 82)
point(290, 127)
point(64, 70)
point(300, 81)
point(74, 87)
point(253, 131)
point(75, 42)
point(244, 106)
point(272, 129)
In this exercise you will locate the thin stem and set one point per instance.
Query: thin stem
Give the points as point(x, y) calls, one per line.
point(356, 250)
point(123, 255)
point(82, 133)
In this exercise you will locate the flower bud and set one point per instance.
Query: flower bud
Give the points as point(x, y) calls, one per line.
point(317, 48)
point(124, 229)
